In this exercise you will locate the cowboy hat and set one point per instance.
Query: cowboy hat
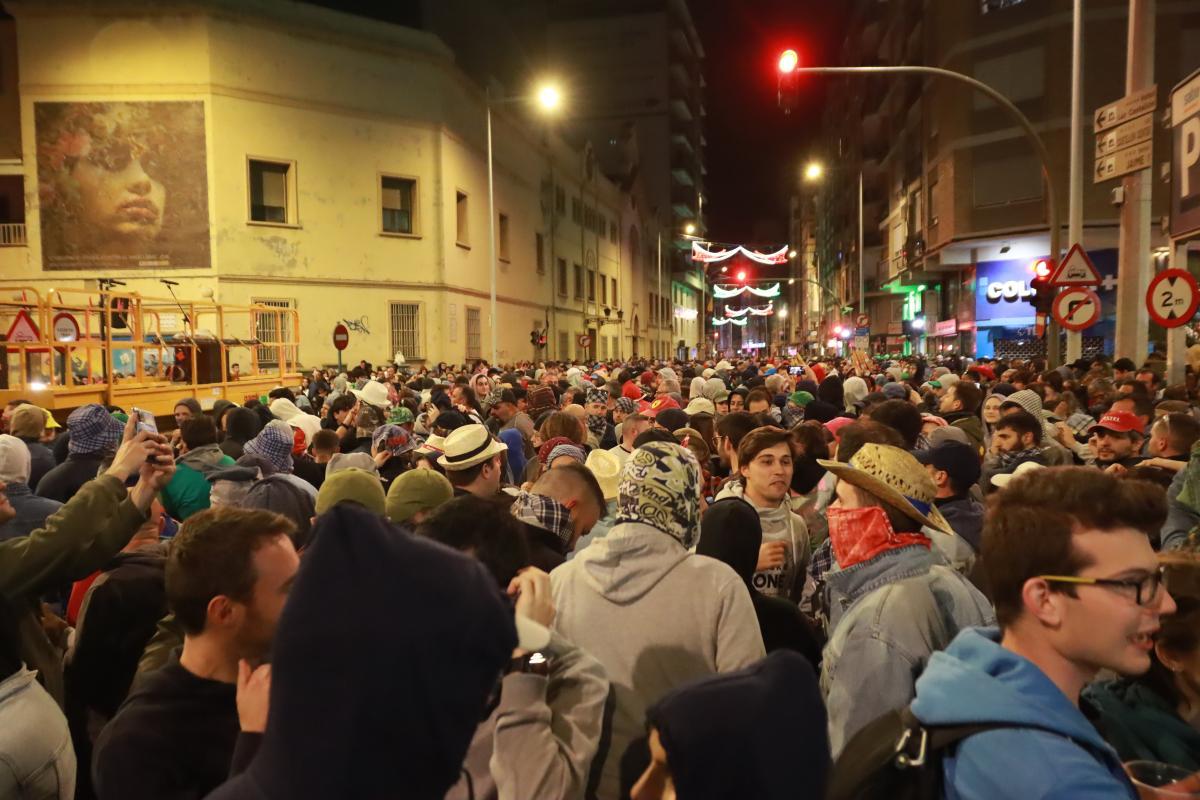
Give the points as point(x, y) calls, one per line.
point(700, 405)
point(373, 394)
point(606, 468)
point(468, 446)
point(896, 478)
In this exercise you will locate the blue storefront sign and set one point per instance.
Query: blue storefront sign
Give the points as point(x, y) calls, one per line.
point(1002, 292)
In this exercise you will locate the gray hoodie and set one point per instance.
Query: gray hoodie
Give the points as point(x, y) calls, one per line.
point(655, 616)
point(779, 524)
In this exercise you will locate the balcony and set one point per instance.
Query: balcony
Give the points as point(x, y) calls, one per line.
point(12, 234)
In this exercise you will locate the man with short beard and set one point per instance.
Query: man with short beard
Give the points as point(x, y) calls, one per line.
point(227, 577)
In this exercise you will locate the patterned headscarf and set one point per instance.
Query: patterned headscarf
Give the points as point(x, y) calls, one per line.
point(597, 395)
point(544, 512)
point(547, 448)
point(569, 449)
point(274, 443)
point(94, 430)
point(626, 405)
point(400, 415)
point(597, 424)
point(660, 487)
point(393, 438)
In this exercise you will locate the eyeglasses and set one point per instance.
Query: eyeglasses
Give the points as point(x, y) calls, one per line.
point(1143, 591)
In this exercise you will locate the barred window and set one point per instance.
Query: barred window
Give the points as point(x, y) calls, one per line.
point(406, 330)
point(474, 333)
point(270, 327)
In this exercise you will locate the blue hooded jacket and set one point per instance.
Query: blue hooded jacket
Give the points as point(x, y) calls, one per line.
point(975, 680)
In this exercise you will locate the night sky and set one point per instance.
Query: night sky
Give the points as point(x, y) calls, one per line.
point(754, 150)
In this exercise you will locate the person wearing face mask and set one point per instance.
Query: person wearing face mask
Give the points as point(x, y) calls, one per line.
point(892, 600)
point(597, 421)
point(651, 612)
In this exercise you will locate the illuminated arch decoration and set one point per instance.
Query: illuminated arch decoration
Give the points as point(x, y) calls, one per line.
point(699, 253)
point(724, 293)
point(741, 323)
point(756, 311)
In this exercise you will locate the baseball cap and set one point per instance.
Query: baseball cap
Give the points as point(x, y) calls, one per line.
point(960, 460)
point(1119, 422)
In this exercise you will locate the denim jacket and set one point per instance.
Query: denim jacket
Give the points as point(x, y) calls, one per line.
point(887, 616)
point(36, 756)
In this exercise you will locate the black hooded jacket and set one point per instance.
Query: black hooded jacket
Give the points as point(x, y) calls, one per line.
point(755, 733)
point(730, 531)
point(368, 701)
point(241, 425)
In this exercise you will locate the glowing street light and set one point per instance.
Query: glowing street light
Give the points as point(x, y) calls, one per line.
point(814, 171)
point(791, 253)
point(783, 313)
point(549, 98)
point(689, 229)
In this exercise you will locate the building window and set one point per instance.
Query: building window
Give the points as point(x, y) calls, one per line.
point(616, 299)
point(576, 212)
point(461, 231)
point(272, 189)
point(474, 331)
point(398, 200)
point(502, 236)
point(560, 200)
point(653, 309)
point(591, 278)
point(603, 290)
point(271, 328)
point(562, 277)
point(563, 346)
point(406, 330)
point(540, 253)
point(578, 282)
point(612, 231)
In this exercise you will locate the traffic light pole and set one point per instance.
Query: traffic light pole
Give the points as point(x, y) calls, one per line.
point(1039, 147)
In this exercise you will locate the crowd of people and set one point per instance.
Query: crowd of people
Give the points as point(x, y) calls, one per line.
point(724, 579)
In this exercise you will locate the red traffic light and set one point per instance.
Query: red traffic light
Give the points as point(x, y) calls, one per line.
point(741, 276)
point(1042, 268)
point(788, 61)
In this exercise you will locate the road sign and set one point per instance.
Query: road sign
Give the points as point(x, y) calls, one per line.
point(23, 329)
point(66, 328)
point(1123, 162)
point(1076, 308)
point(862, 321)
point(1128, 107)
point(1075, 270)
point(585, 341)
point(1137, 130)
point(1185, 158)
point(341, 336)
point(1172, 298)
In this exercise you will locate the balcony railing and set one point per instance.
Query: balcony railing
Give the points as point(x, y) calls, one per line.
point(12, 234)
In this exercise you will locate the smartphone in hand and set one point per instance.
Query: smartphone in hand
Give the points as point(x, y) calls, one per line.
point(145, 421)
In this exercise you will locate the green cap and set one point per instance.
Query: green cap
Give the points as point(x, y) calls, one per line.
point(417, 490)
point(355, 485)
point(800, 398)
point(400, 415)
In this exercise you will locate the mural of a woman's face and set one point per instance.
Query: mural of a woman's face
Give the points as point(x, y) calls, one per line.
point(119, 199)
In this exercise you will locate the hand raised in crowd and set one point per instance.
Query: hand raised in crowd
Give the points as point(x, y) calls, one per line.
point(771, 555)
point(253, 696)
point(136, 449)
point(531, 590)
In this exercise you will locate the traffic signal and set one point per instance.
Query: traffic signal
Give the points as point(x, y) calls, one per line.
point(789, 80)
point(741, 276)
point(1043, 298)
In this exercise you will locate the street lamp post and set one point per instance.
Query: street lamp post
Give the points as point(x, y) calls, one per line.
point(1052, 219)
point(548, 99)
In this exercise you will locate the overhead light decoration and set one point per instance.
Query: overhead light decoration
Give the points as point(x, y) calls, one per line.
point(704, 255)
point(724, 293)
point(741, 323)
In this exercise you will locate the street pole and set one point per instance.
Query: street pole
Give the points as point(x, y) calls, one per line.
point(1039, 147)
point(491, 228)
point(862, 294)
point(1133, 262)
point(658, 311)
point(1177, 337)
point(1075, 187)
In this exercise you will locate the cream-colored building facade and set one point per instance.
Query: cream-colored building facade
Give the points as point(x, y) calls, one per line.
point(367, 148)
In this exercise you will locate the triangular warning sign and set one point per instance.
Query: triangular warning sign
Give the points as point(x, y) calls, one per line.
point(1076, 270)
point(23, 329)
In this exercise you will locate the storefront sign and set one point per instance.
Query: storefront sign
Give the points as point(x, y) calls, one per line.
point(947, 327)
point(686, 313)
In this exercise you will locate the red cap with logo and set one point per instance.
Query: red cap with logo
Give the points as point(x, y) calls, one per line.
point(1119, 421)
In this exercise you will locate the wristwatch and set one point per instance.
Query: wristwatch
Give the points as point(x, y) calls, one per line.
point(531, 664)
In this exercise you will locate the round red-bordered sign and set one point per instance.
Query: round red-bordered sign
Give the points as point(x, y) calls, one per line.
point(341, 336)
point(66, 327)
point(1172, 298)
point(1076, 308)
